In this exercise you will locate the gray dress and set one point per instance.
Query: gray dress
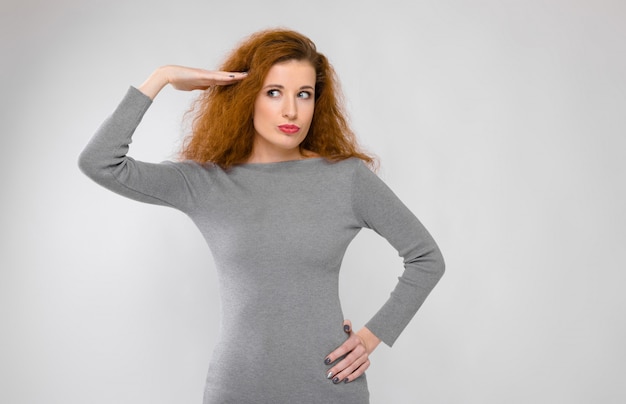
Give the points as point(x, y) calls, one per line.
point(278, 233)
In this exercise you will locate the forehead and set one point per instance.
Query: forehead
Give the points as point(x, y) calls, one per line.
point(296, 72)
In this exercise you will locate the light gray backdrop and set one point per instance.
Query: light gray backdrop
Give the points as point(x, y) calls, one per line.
point(500, 124)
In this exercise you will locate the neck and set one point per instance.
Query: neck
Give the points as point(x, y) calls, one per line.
point(272, 155)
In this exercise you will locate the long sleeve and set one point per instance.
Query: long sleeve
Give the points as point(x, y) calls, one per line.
point(379, 209)
point(104, 160)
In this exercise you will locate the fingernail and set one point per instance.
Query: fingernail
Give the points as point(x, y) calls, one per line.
point(346, 328)
point(336, 380)
point(329, 375)
point(347, 380)
point(327, 361)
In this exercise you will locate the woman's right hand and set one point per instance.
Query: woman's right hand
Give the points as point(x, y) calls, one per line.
point(187, 79)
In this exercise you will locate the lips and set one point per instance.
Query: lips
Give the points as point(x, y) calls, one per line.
point(288, 128)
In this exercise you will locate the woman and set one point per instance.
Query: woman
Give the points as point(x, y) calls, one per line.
point(273, 178)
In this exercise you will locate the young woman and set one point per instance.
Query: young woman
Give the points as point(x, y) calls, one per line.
point(274, 179)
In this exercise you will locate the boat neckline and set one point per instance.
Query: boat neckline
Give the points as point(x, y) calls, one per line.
point(280, 163)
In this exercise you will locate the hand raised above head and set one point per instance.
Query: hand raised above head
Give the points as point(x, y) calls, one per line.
point(187, 79)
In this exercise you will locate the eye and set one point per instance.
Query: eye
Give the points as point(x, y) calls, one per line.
point(273, 93)
point(304, 94)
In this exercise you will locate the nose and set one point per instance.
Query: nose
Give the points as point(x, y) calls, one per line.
point(290, 110)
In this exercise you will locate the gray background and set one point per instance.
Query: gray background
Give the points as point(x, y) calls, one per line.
point(500, 124)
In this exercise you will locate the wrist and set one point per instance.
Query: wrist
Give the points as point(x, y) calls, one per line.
point(368, 339)
point(155, 82)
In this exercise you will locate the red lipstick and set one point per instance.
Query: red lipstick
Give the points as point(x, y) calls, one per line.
point(288, 128)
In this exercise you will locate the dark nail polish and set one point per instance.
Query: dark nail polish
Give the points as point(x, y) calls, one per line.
point(327, 361)
point(336, 380)
point(346, 328)
point(347, 380)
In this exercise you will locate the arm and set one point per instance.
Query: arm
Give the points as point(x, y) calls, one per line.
point(378, 208)
point(105, 158)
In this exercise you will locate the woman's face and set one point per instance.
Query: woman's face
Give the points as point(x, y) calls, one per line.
point(283, 111)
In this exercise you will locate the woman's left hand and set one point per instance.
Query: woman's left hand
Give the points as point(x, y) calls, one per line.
point(356, 349)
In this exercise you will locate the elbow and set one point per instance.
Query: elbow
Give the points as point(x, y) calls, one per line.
point(435, 264)
point(82, 161)
point(441, 266)
point(94, 166)
point(429, 266)
point(86, 164)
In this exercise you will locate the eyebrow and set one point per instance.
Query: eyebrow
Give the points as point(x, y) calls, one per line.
point(307, 87)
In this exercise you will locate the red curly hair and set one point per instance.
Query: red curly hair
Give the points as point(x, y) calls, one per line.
point(222, 131)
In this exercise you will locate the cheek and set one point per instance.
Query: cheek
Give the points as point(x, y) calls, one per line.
point(309, 110)
point(264, 110)
point(259, 113)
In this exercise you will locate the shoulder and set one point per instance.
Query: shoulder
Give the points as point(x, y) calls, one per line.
point(350, 165)
point(353, 174)
point(358, 169)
